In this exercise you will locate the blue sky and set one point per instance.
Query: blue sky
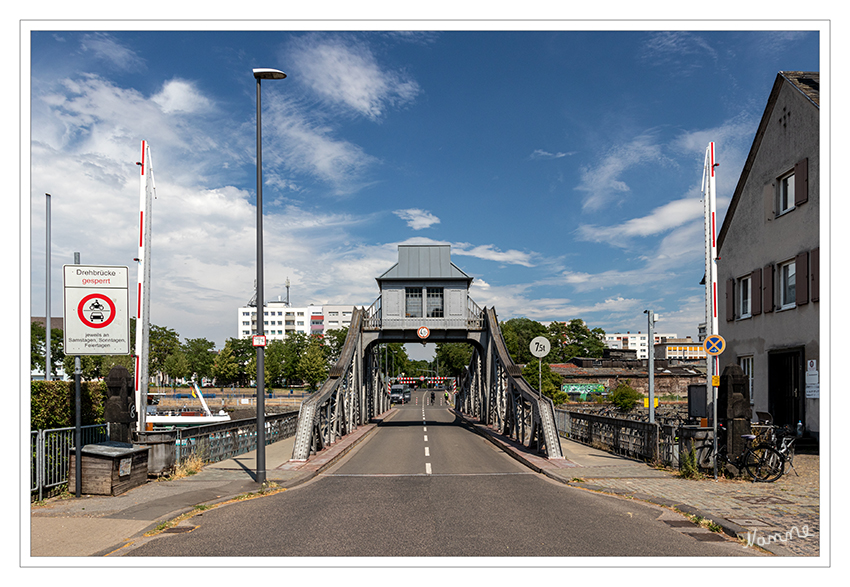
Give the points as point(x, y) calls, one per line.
point(563, 166)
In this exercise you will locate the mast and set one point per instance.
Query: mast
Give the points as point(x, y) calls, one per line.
point(147, 192)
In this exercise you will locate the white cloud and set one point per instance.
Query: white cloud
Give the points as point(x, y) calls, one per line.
point(491, 253)
point(346, 73)
point(662, 219)
point(541, 154)
point(603, 183)
point(299, 142)
point(181, 96)
point(417, 219)
point(106, 48)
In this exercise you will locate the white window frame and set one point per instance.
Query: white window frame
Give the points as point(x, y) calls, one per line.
point(745, 296)
point(785, 194)
point(787, 293)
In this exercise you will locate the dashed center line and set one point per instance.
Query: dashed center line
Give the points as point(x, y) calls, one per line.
point(426, 438)
point(427, 454)
point(427, 468)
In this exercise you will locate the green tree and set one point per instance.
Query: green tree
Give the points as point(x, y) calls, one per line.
point(273, 362)
point(335, 339)
point(294, 346)
point(574, 339)
point(176, 366)
point(225, 368)
point(38, 343)
point(312, 368)
point(242, 351)
point(625, 397)
point(533, 372)
point(453, 358)
point(200, 354)
point(163, 341)
point(518, 334)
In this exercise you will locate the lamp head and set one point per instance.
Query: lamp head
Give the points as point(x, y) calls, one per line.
point(268, 73)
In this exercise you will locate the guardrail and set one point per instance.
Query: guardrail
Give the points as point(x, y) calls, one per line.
point(658, 443)
point(51, 455)
point(217, 442)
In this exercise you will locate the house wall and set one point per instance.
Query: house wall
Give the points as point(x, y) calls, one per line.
point(758, 240)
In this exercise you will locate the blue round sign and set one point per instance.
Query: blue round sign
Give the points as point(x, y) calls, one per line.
point(714, 345)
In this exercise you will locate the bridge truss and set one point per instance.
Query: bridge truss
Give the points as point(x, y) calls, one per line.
point(492, 389)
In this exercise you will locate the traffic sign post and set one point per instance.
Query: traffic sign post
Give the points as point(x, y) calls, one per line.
point(540, 347)
point(96, 316)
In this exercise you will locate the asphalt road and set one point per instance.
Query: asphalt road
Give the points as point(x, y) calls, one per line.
point(424, 486)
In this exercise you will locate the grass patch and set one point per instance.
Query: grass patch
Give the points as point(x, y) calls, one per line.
point(186, 468)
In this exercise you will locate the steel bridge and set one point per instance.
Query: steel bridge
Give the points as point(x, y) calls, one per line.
point(492, 389)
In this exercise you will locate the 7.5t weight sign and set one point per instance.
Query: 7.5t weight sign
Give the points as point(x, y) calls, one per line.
point(97, 320)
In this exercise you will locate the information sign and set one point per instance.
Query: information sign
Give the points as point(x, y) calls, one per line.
point(97, 320)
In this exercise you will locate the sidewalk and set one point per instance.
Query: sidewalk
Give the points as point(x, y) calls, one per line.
point(99, 525)
point(788, 508)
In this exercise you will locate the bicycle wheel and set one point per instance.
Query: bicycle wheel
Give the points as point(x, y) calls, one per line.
point(764, 463)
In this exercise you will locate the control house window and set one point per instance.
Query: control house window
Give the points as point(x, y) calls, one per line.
point(435, 302)
point(413, 302)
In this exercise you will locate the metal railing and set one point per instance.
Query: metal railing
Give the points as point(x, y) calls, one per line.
point(51, 455)
point(626, 436)
point(217, 442)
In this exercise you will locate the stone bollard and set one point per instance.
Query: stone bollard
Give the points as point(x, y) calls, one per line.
point(733, 404)
point(120, 409)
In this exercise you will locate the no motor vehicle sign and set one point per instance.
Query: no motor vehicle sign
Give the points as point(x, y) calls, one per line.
point(97, 320)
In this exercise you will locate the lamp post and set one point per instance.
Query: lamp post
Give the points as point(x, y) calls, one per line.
point(650, 363)
point(261, 73)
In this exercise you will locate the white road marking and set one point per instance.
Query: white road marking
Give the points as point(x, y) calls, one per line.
point(426, 438)
point(424, 429)
point(427, 468)
point(427, 454)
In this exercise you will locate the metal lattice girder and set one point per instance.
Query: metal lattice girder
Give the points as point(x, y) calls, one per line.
point(496, 393)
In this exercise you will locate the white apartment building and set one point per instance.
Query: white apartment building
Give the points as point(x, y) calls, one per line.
point(639, 341)
point(281, 320)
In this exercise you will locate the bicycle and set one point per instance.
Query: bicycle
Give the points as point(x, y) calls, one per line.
point(782, 439)
point(762, 462)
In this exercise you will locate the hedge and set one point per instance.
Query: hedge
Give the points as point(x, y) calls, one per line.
point(52, 403)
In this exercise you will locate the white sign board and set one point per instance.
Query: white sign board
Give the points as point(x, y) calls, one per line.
point(540, 347)
point(97, 317)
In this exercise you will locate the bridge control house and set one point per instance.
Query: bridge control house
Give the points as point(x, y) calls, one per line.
point(425, 289)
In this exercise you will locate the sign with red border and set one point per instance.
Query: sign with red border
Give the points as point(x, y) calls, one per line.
point(259, 340)
point(97, 316)
point(423, 332)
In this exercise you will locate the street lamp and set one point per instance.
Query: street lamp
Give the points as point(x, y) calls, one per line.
point(261, 73)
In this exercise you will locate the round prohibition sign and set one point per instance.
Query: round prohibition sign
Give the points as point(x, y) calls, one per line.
point(99, 316)
point(714, 345)
point(423, 332)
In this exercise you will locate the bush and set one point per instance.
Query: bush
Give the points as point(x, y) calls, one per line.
point(52, 403)
point(625, 397)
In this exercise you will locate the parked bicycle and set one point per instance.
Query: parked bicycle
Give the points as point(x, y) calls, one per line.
point(782, 439)
point(762, 462)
